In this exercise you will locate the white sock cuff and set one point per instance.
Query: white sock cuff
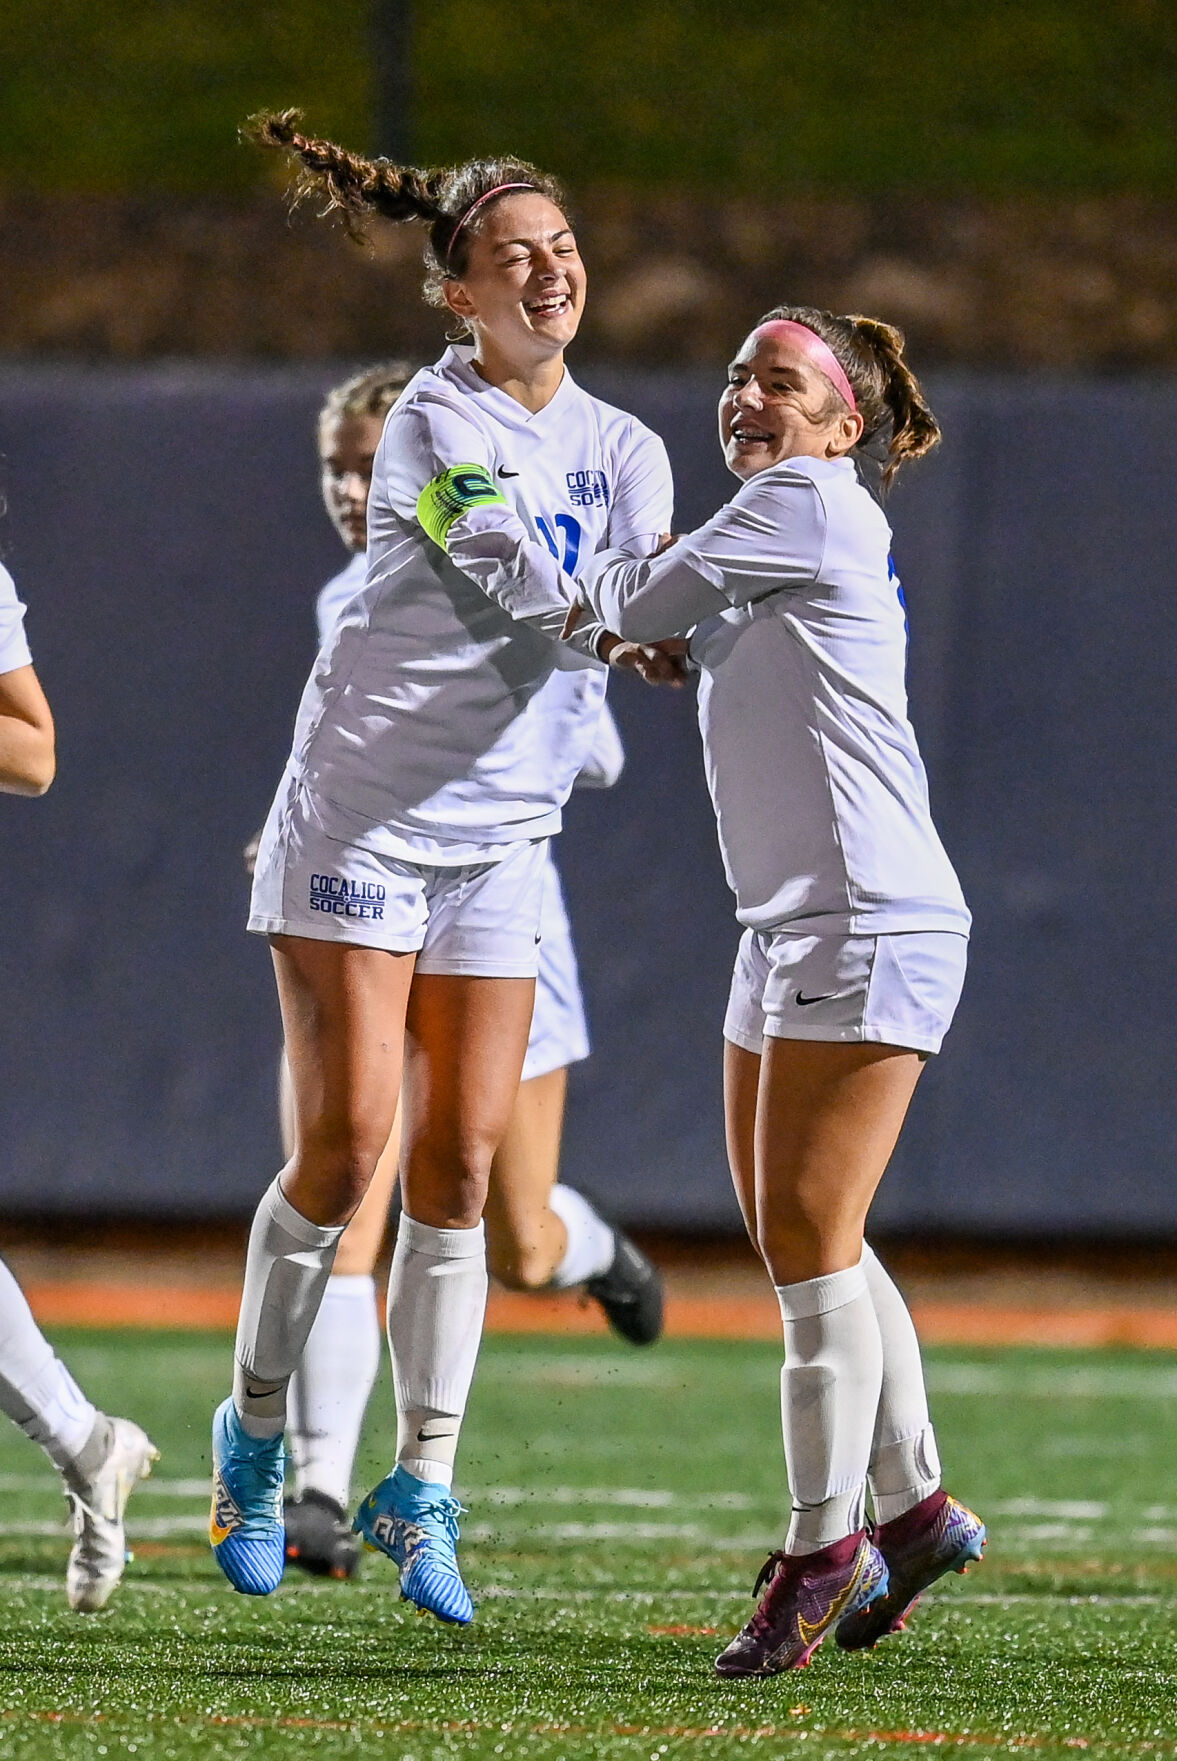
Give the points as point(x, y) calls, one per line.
point(350, 1287)
point(820, 1296)
point(282, 1212)
point(442, 1244)
point(591, 1243)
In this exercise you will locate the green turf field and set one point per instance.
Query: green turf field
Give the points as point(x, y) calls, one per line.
point(620, 1506)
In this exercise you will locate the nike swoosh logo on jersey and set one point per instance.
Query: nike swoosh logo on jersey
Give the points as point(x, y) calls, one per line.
point(802, 1002)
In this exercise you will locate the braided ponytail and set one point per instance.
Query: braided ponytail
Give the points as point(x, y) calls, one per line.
point(897, 423)
point(356, 188)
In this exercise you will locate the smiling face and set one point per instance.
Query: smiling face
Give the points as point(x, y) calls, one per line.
point(523, 285)
point(777, 405)
point(347, 446)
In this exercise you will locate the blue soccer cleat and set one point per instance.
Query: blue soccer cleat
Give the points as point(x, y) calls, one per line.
point(246, 1529)
point(415, 1522)
point(937, 1536)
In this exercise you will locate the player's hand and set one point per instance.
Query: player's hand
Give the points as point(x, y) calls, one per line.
point(249, 854)
point(665, 542)
point(658, 663)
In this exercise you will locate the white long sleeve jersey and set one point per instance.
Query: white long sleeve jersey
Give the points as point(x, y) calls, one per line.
point(436, 724)
point(800, 633)
point(14, 648)
point(568, 695)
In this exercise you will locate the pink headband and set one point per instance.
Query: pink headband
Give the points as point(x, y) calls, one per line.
point(814, 350)
point(475, 206)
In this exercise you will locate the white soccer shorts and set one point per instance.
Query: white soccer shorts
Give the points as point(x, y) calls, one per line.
point(894, 990)
point(478, 921)
point(559, 1031)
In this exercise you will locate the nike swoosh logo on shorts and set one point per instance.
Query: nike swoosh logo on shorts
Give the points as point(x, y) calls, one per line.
point(803, 1001)
point(503, 473)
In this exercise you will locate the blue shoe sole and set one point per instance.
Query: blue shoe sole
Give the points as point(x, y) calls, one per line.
point(442, 1604)
point(253, 1566)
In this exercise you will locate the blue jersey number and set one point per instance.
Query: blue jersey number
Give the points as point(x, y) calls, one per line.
point(569, 529)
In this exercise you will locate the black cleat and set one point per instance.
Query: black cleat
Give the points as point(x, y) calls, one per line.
point(630, 1293)
point(319, 1537)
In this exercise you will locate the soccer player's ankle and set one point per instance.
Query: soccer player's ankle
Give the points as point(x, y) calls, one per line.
point(815, 1527)
point(428, 1472)
point(591, 1242)
point(903, 1473)
point(260, 1404)
point(93, 1453)
point(889, 1507)
point(428, 1444)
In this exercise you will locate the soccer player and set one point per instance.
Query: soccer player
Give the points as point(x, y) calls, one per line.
point(400, 874)
point(853, 953)
point(539, 1234)
point(100, 1459)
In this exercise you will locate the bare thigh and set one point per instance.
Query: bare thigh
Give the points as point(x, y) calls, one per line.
point(465, 1041)
point(343, 1014)
point(826, 1121)
point(741, 1092)
point(525, 1240)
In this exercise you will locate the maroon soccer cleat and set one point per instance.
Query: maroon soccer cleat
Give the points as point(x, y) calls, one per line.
point(806, 1594)
point(937, 1536)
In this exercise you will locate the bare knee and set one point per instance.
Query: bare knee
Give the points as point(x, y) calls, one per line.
point(800, 1246)
point(445, 1179)
point(329, 1172)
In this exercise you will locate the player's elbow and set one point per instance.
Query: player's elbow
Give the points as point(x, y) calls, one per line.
point(45, 773)
point(33, 775)
point(32, 766)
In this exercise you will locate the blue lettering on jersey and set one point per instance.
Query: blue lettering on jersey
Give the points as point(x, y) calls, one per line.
point(588, 489)
point(569, 529)
point(339, 897)
point(892, 575)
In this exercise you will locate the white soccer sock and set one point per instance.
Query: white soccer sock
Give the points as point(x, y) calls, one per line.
point(36, 1389)
point(330, 1389)
point(436, 1307)
point(286, 1269)
point(904, 1463)
point(829, 1398)
point(591, 1243)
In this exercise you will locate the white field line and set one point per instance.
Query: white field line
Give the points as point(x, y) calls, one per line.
point(1085, 1382)
point(1019, 1525)
point(1060, 1510)
point(649, 1600)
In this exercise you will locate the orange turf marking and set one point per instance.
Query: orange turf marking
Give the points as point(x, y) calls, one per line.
point(66, 1303)
point(681, 1632)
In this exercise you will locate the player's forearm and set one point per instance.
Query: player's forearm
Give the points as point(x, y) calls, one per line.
point(522, 577)
point(649, 600)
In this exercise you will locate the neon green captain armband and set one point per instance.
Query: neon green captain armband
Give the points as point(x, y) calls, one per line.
point(453, 494)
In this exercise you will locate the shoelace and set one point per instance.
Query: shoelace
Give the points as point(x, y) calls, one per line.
point(269, 1469)
point(769, 1570)
point(446, 1511)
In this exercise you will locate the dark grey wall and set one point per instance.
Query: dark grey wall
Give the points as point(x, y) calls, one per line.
point(165, 529)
